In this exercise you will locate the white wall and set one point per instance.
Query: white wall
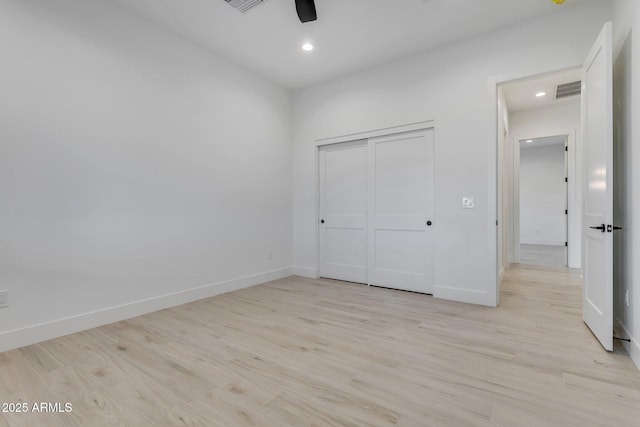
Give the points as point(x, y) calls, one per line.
point(560, 119)
point(626, 82)
point(132, 166)
point(543, 195)
point(452, 86)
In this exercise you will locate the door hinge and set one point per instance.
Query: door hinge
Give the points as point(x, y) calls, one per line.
point(566, 148)
point(566, 244)
point(566, 211)
point(566, 179)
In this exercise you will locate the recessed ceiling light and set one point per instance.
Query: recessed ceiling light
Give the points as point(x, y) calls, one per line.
point(540, 94)
point(529, 141)
point(307, 47)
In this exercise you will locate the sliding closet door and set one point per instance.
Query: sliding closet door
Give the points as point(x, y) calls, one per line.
point(343, 211)
point(401, 211)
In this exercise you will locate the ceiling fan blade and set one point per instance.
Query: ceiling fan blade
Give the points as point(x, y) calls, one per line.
point(306, 10)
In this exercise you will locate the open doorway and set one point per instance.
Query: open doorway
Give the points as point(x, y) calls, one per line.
point(590, 171)
point(539, 169)
point(543, 222)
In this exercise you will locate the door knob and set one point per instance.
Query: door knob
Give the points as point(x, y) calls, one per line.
point(601, 228)
point(322, 221)
point(429, 223)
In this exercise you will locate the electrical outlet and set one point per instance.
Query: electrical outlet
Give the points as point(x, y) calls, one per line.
point(4, 299)
point(626, 297)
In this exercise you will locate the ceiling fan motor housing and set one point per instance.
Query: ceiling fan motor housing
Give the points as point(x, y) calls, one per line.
point(306, 10)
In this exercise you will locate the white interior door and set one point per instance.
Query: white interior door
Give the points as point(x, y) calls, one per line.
point(343, 211)
point(597, 134)
point(401, 211)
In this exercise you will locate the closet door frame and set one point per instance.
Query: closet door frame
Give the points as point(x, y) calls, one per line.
point(388, 131)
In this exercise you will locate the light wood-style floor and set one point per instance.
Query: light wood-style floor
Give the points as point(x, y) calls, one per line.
point(547, 255)
point(300, 352)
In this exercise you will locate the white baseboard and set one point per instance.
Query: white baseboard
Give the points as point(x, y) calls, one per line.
point(463, 295)
point(308, 272)
point(633, 347)
point(56, 328)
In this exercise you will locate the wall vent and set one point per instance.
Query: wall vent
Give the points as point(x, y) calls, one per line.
point(566, 90)
point(244, 5)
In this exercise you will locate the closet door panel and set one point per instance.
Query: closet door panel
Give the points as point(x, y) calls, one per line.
point(343, 186)
point(401, 211)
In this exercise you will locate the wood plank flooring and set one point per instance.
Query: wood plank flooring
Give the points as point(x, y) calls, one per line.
point(545, 255)
point(300, 352)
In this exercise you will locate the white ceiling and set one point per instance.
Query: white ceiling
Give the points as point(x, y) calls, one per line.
point(541, 142)
point(349, 35)
point(521, 95)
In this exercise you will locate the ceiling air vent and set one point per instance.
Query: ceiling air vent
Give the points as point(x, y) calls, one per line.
point(566, 90)
point(244, 5)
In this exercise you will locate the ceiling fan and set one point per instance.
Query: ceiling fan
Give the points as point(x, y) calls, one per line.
point(306, 10)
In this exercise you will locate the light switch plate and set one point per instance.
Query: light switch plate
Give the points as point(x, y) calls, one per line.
point(468, 203)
